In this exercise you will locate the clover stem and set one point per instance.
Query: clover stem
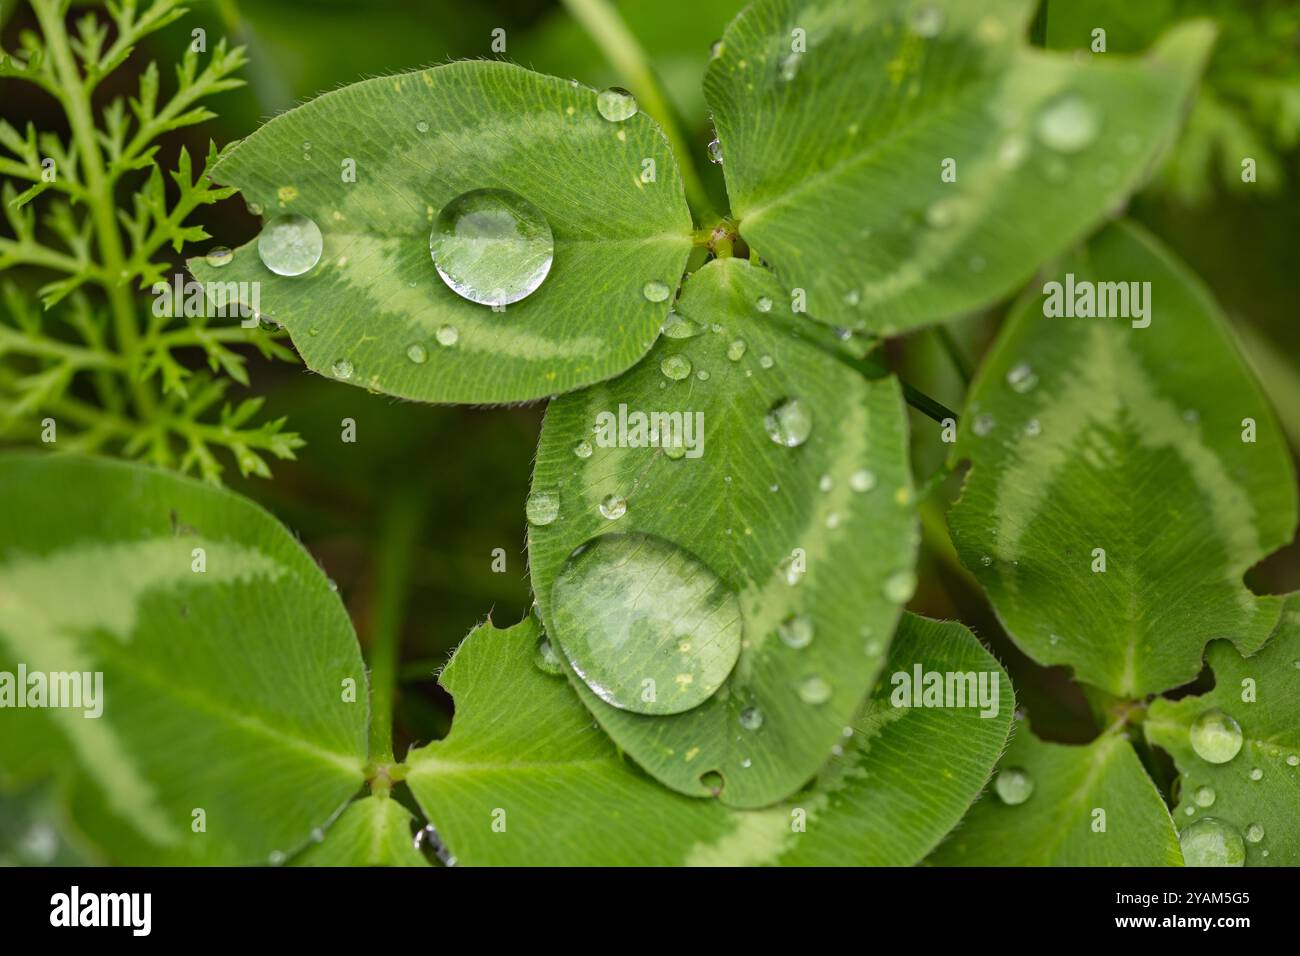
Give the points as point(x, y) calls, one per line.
point(399, 530)
point(954, 352)
point(603, 23)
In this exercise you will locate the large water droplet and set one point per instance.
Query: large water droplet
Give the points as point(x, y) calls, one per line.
point(1013, 786)
point(1211, 842)
point(655, 291)
point(789, 423)
point(542, 507)
point(219, 256)
point(492, 246)
point(680, 327)
point(715, 152)
point(645, 624)
point(615, 104)
point(290, 245)
point(1215, 736)
point(796, 630)
point(1068, 124)
point(751, 718)
point(613, 507)
point(675, 367)
point(814, 690)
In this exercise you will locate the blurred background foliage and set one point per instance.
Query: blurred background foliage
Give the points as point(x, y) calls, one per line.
point(469, 468)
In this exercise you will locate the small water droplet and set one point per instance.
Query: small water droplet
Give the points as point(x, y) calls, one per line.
point(1021, 378)
point(986, 560)
point(1013, 786)
point(789, 423)
point(941, 214)
point(825, 483)
point(764, 304)
point(547, 659)
point(422, 127)
point(447, 335)
point(219, 256)
point(1033, 428)
point(613, 507)
point(675, 367)
point(983, 424)
point(1215, 736)
point(615, 104)
point(1205, 796)
point(702, 375)
point(417, 353)
point(900, 586)
point(1293, 761)
point(1256, 774)
point(655, 291)
point(1254, 833)
point(736, 350)
point(542, 507)
point(766, 361)
point(633, 611)
point(492, 246)
point(1068, 124)
point(927, 21)
point(583, 449)
point(679, 327)
point(715, 152)
point(788, 66)
point(1211, 842)
point(796, 631)
point(715, 49)
point(290, 245)
point(751, 718)
point(814, 690)
point(862, 480)
point(342, 369)
point(254, 209)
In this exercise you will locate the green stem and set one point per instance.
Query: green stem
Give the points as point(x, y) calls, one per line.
point(930, 407)
point(399, 531)
point(624, 53)
point(99, 194)
point(955, 355)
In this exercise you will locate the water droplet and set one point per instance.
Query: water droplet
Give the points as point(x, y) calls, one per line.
point(583, 449)
point(615, 104)
point(983, 424)
point(1013, 786)
point(862, 480)
point(341, 369)
point(1068, 124)
point(702, 375)
point(986, 560)
point(613, 507)
point(1211, 842)
point(764, 304)
point(547, 659)
point(736, 350)
point(219, 256)
point(1256, 774)
point(679, 327)
point(542, 507)
point(715, 49)
point(417, 353)
point(751, 718)
point(789, 423)
point(631, 609)
point(1205, 796)
point(655, 291)
point(788, 66)
point(492, 246)
point(766, 361)
point(852, 297)
point(422, 127)
point(1293, 761)
point(675, 367)
point(1215, 736)
point(1021, 378)
point(814, 690)
point(796, 630)
point(715, 152)
point(254, 209)
point(900, 586)
point(927, 21)
point(1033, 428)
point(290, 245)
point(1254, 833)
point(447, 335)
point(825, 483)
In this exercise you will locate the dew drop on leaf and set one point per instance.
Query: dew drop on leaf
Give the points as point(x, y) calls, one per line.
point(492, 246)
point(675, 367)
point(789, 423)
point(1211, 842)
point(814, 690)
point(546, 659)
point(290, 245)
point(736, 350)
point(862, 480)
point(417, 353)
point(766, 361)
point(1013, 786)
point(613, 507)
point(715, 152)
point(751, 718)
point(422, 127)
point(1254, 833)
point(342, 369)
point(615, 104)
point(655, 291)
point(1205, 796)
point(983, 424)
point(788, 66)
point(218, 256)
point(764, 304)
point(1068, 124)
point(796, 631)
point(583, 449)
point(648, 626)
point(927, 21)
point(447, 335)
point(1215, 736)
point(1256, 774)
point(900, 586)
point(542, 507)
point(1021, 378)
